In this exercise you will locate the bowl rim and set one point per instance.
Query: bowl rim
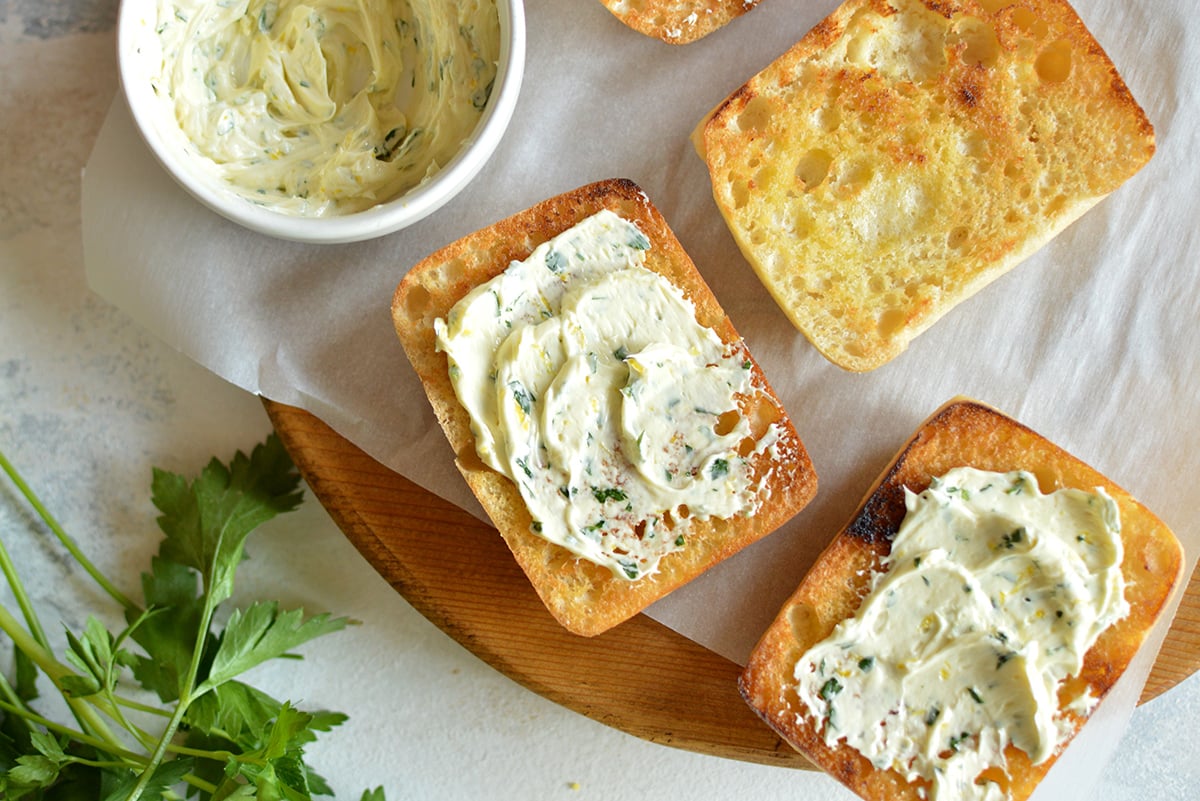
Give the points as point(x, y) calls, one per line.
point(384, 218)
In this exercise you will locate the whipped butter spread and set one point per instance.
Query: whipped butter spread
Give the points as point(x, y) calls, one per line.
point(591, 385)
point(990, 598)
point(322, 107)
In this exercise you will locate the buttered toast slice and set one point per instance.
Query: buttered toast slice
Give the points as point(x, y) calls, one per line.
point(906, 153)
point(1057, 574)
point(677, 21)
point(599, 402)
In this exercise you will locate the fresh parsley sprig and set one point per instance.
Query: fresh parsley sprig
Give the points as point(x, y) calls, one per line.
point(216, 737)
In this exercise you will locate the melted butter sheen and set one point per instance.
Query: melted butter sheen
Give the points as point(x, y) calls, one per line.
point(592, 386)
point(991, 596)
point(321, 107)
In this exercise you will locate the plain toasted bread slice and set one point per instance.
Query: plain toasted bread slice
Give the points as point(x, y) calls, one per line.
point(677, 21)
point(586, 598)
point(961, 433)
point(906, 153)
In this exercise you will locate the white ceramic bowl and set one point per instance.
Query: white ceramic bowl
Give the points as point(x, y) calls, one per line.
point(137, 50)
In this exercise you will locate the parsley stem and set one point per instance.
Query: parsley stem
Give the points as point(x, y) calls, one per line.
point(137, 706)
point(84, 713)
point(28, 643)
point(63, 537)
point(127, 758)
point(18, 590)
point(14, 700)
point(114, 703)
point(185, 697)
point(99, 743)
point(34, 643)
point(160, 750)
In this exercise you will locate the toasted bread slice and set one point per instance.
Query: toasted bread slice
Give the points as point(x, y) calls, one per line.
point(906, 153)
point(585, 597)
point(677, 21)
point(961, 433)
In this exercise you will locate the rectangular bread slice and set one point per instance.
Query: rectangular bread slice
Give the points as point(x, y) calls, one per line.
point(677, 21)
point(585, 597)
point(961, 433)
point(906, 153)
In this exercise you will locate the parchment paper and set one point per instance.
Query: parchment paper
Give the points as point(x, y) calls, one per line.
point(1092, 342)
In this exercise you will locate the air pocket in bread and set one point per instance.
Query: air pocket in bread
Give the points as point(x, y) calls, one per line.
point(906, 153)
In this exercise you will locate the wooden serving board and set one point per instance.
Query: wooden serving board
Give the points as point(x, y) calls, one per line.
point(457, 572)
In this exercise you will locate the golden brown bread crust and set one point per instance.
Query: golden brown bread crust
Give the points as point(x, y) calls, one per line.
point(905, 153)
point(961, 433)
point(584, 597)
point(677, 21)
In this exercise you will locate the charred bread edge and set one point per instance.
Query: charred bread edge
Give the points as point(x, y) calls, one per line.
point(873, 526)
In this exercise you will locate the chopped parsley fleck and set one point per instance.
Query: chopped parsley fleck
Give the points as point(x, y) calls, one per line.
point(609, 494)
point(1011, 540)
point(555, 262)
point(932, 715)
point(829, 689)
point(394, 142)
point(975, 696)
point(720, 467)
point(639, 241)
point(522, 396)
point(866, 663)
point(481, 96)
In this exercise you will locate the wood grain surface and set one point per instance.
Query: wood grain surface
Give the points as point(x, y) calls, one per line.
point(457, 572)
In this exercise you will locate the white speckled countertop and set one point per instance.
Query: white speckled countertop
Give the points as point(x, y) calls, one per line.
point(89, 403)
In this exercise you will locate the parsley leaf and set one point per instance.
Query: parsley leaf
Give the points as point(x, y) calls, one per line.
point(95, 656)
point(261, 633)
point(221, 737)
point(170, 630)
point(156, 786)
point(206, 522)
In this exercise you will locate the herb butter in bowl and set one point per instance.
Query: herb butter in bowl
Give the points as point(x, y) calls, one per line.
point(322, 120)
